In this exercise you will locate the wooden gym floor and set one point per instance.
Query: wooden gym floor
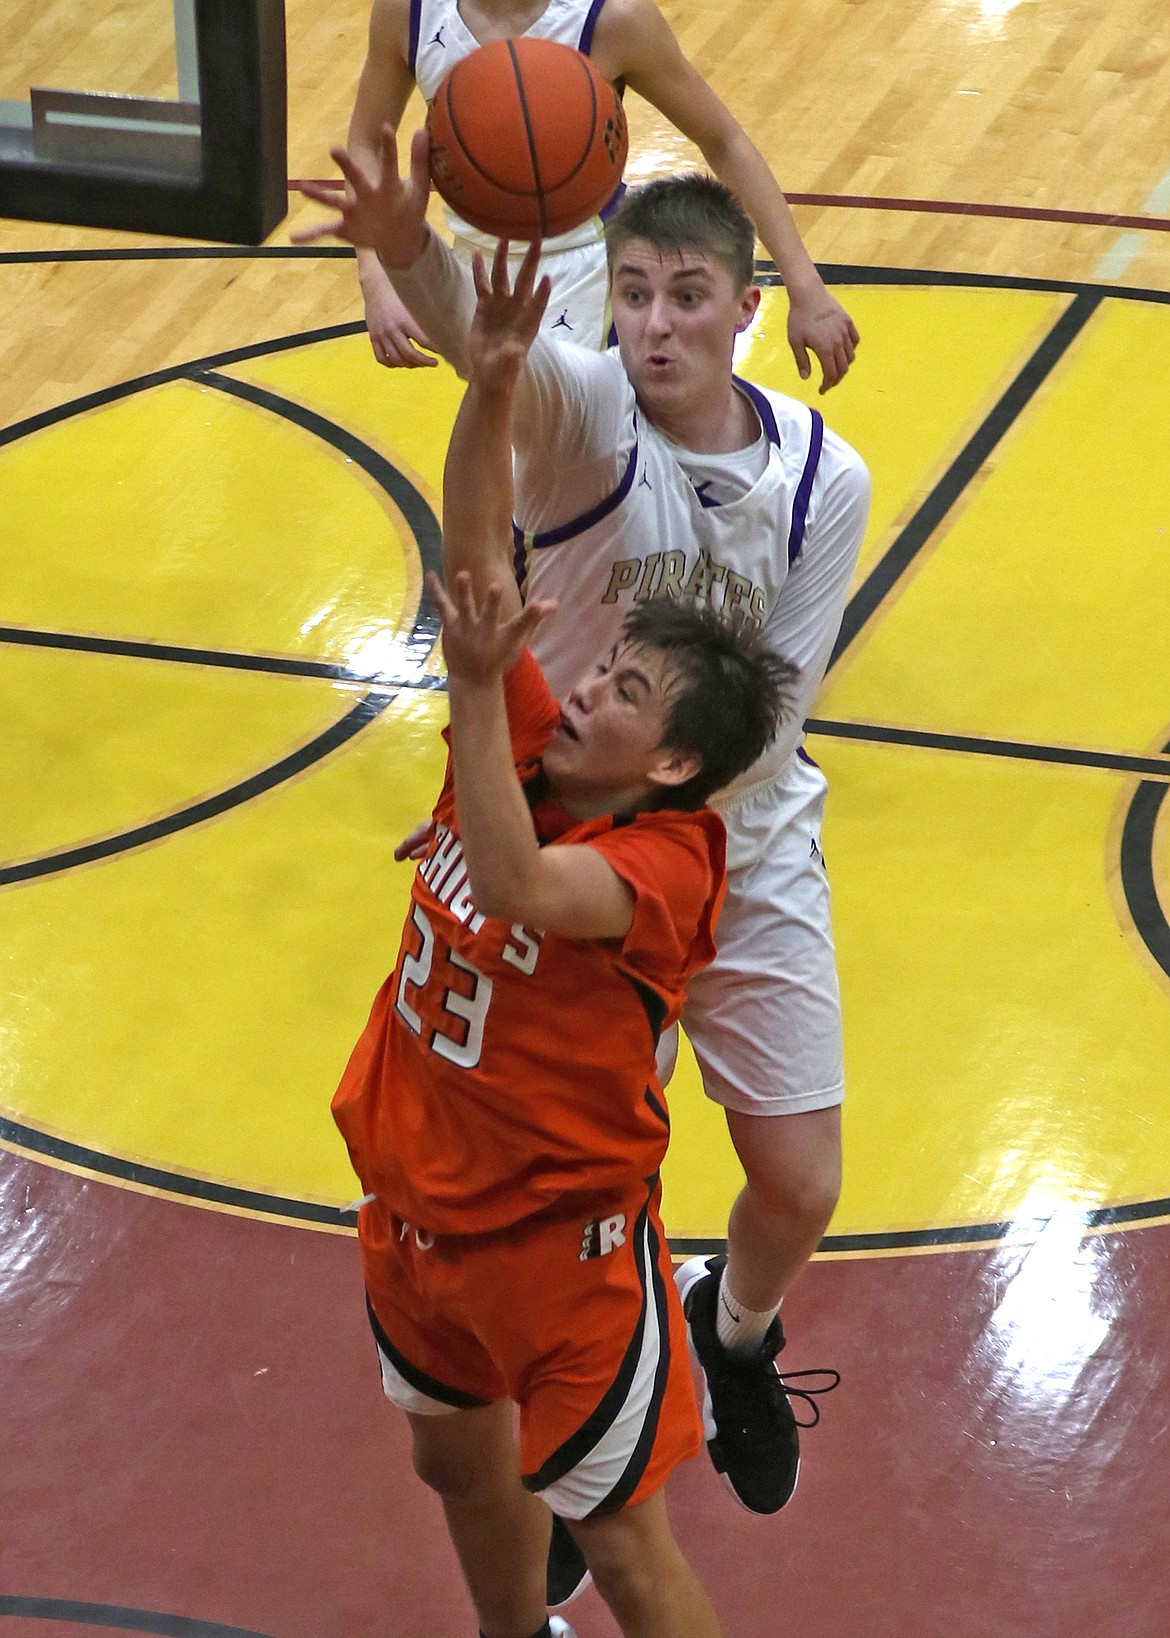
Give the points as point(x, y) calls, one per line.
point(214, 510)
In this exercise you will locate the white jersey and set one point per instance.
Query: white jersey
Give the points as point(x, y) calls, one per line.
point(439, 38)
point(609, 510)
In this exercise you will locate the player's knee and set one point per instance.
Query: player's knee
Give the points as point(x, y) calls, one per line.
point(628, 1580)
point(805, 1199)
point(449, 1475)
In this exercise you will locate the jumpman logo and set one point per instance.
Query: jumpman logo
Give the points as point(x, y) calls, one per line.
point(645, 481)
point(563, 322)
point(437, 38)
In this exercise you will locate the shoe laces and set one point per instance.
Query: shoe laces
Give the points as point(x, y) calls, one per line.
point(809, 1394)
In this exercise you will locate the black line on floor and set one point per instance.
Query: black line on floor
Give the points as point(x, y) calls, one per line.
point(890, 568)
point(185, 253)
point(301, 1211)
point(976, 745)
point(1138, 879)
point(172, 373)
point(227, 659)
point(119, 1618)
point(853, 273)
point(158, 1177)
point(246, 790)
point(766, 270)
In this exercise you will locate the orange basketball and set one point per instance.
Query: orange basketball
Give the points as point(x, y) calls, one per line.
point(527, 138)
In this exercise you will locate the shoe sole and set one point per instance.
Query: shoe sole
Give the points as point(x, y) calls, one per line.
point(686, 1277)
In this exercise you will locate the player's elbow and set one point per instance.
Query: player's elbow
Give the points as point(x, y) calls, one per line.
point(502, 894)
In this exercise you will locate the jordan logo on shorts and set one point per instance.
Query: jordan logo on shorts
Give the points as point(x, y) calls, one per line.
point(603, 1235)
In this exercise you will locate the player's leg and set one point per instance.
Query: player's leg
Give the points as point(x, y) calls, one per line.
point(439, 1373)
point(764, 1021)
point(640, 1571)
point(792, 1166)
point(500, 1531)
point(593, 1343)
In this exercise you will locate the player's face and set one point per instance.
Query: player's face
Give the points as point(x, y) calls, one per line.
point(607, 753)
point(677, 314)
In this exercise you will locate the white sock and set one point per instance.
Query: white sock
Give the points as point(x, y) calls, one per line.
point(739, 1329)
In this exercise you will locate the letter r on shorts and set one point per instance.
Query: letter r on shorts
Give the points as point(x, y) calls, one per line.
point(611, 1233)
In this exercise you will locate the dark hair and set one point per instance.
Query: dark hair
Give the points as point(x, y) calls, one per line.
point(728, 694)
point(694, 211)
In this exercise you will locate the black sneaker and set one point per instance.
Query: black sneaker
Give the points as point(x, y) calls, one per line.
point(750, 1425)
point(568, 1573)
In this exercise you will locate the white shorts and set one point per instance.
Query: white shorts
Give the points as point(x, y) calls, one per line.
point(578, 308)
point(765, 1017)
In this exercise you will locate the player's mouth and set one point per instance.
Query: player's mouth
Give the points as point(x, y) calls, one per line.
point(566, 728)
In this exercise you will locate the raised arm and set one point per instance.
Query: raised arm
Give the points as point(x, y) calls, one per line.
point(634, 42)
point(382, 94)
point(477, 477)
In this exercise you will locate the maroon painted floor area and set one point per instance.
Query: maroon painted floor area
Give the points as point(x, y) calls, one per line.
point(193, 1424)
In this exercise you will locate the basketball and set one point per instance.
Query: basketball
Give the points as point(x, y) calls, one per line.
point(527, 138)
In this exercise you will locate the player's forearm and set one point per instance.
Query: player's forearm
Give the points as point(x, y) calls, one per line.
point(738, 163)
point(477, 488)
point(495, 826)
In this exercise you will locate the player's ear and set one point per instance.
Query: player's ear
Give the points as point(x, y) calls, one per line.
point(749, 302)
point(673, 767)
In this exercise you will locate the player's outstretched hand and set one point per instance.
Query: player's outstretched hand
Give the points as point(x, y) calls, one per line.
point(386, 213)
point(506, 321)
point(817, 321)
point(478, 646)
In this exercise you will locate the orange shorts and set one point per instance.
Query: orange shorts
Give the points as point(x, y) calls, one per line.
point(579, 1323)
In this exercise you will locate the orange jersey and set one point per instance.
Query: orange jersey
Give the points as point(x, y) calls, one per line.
point(505, 1071)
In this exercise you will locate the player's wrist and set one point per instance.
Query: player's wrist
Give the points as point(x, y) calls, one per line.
point(395, 259)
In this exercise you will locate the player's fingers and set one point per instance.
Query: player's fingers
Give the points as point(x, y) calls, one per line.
point(800, 353)
point(420, 161)
point(532, 614)
point(526, 277)
point(350, 169)
point(322, 230)
point(490, 608)
point(414, 846)
point(479, 274)
point(854, 337)
point(500, 268)
point(540, 297)
point(437, 593)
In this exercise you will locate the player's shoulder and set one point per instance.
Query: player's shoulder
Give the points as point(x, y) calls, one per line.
point(802, 428)
point(698, 834)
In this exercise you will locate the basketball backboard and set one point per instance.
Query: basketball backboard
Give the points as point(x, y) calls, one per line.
point(207, 163)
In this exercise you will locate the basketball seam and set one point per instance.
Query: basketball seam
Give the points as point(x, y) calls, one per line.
point(531, 139)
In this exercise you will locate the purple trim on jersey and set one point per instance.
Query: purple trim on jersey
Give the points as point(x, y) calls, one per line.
point(762, 407)
point(612, 203)
point(804, 488)
point(585, 43)
point(412, 42)
point(577, 526)
point(804, 757)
